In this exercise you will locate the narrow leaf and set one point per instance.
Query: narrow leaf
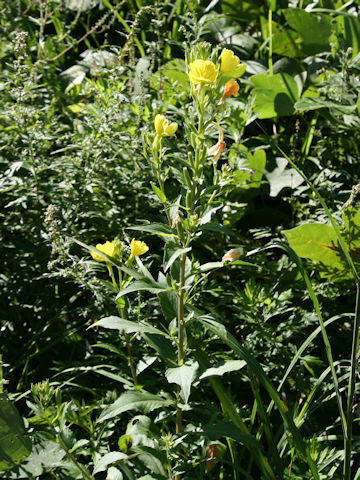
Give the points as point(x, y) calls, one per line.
point(117, 323)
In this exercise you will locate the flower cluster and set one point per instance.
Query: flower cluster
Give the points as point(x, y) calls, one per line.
point(205, 72)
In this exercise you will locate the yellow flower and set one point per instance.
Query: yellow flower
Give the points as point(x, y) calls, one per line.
point(202, 71)
point(231, 88)
point(232, 254)
point(163, 128)
point(109, 248)
point(229, 61)
point(138, 247)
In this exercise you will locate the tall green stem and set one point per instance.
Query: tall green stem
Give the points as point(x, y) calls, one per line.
point(271, 70)
point(351, 388)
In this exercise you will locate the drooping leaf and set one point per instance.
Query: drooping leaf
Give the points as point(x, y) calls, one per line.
point(223, 367)
point(14, 445)
point(313, 103)
point(184, 377)
point(117, 323)
point(155, 228)
point(136, 400)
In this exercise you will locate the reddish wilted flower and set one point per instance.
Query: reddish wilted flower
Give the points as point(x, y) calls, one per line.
point(231, 88)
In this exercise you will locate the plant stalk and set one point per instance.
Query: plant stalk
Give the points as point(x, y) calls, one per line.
point(351, 388)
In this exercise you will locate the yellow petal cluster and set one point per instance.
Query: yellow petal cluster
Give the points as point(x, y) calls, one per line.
point(163, 127)
point(109, 248)
point(202, 71)
point(138, 247)
point(229, 61)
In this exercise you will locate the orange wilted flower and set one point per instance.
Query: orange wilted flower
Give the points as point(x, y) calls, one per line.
point(233, 254)
point(215, 151)
point(231, 88)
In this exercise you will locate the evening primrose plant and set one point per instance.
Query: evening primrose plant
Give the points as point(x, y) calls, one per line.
point(182, 329)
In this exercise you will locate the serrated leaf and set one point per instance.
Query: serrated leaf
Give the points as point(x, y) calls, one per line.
point(281, 177)
point(108, 459)
point(117, 323)
point(140, 401)
point(184, 377)
point(223, 367)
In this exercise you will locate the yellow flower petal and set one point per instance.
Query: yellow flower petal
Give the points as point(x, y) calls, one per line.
point(109, 248)
point(138, 247)
point(229, 61)
point(163, 128)
point(202, 71)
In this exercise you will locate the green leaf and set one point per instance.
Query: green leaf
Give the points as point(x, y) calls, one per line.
point(171, 253)
point(229, 430)
point(314, 28)
point(14, 445)
point(210, 266)
point(161, 195)
point(155, 228)
point(275, 95)
point(313, 103)
point(223, 367)
point(44, 456)
point(281, 177)
point(117, 323)
point(108, 459)
point(235, 73)
point(184, 377)
point(143, 401)
point(145, 284)
point(219, 330)
point(317, 242)
point(351, 218)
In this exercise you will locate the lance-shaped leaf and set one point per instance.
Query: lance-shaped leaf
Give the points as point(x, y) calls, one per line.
point(156, 228)
point(145, 284)
point(117, 323)
point(223, 367)
point(139, 400)
point(184, 377)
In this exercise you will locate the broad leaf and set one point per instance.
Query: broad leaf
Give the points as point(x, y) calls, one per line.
point(317, 242)
point(275, 95)
point(108, 459)
point(281, 177)
point(14, 445)
point(184, 377)
point(137, 400)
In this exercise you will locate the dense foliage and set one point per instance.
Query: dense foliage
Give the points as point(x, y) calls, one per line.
point(180, 239)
